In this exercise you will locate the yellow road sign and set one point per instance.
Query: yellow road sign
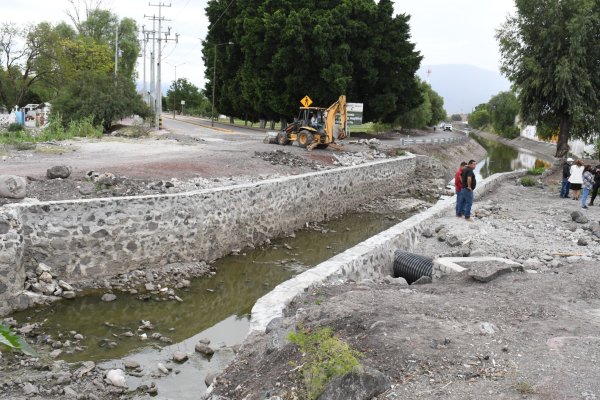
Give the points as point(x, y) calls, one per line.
point(306, 101)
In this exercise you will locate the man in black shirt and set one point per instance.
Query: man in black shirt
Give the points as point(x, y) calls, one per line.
point(469, 182)
point(594, 192)
point(566, 172)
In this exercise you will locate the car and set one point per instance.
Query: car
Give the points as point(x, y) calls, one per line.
point(448, 127)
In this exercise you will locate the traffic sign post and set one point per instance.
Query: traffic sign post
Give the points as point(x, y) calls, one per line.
point(306, 101)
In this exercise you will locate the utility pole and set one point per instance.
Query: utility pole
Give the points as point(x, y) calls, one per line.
point(116, 51)
point(158, 90)
point(151, 98)
point(144, 60)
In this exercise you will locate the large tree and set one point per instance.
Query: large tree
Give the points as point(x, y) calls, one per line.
point(551, 52)
point(270, 54)
point(182, 89)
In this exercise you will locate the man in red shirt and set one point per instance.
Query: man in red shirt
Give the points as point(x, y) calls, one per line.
point(458, 188)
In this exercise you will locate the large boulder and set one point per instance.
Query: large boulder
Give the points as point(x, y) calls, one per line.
point(361, 384)
point(12, 186)
point(58, 171)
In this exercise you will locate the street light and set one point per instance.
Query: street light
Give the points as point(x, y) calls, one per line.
point(212, 113)
point(175, 92)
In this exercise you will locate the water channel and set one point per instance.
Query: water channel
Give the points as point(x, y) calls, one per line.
point(218, 308)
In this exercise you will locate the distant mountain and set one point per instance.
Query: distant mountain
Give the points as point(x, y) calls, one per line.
point(463, 86)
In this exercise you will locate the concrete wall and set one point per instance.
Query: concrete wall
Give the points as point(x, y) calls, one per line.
point(83, 239)
point(373, 258)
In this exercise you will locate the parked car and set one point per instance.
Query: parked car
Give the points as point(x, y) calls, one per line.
point(448, 127)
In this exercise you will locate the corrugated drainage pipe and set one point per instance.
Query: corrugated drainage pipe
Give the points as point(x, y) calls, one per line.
point(411, 266)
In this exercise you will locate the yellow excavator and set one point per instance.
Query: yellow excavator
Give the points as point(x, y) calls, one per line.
point(315, 126)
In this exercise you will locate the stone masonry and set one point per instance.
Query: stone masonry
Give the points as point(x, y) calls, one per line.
point(86, 239)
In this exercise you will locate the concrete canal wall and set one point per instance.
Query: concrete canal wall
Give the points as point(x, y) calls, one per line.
point(86, 239)
point(373, 258)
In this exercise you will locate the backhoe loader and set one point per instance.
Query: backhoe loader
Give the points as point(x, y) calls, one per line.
point(315, 126)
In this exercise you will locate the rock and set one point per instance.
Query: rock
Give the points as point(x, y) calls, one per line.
point(131, 364)
point(86, 367)
point(45, 277)
point(68, 294)
point(42, 268)
point(58, 171)
point(65, 286)
point(161, 367)
point(423, 280)
point(116, 377)
point(427, 233)
point(453, 241)
point(107, 297)
point(55, 353)
point(395, 281)
point(106, 179)
point(363, 383)
point(13, 187)
point(180, 357)
point(30, 389)
point(204, 349)
point(210, 377)
point(204, 341)
point(582, 242)
point(78, 336)
point(70, 393)
point(487, 328)
point(578, 217)
point(490, 271)
point(150, 287)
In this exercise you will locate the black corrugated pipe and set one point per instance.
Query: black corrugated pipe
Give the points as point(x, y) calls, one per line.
point(411, 266)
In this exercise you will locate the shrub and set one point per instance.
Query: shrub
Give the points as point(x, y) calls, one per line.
point(528, 181)
point(14, 127)
point(326, 358)
point(536, 171)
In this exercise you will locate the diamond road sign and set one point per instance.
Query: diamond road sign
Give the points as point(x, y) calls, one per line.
point(306, 101)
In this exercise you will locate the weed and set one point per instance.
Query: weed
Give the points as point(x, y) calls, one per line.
point(528, 181)
point(14, 127)
point(400, 152)
point(326, 357)
point(524, 387)
point(536, 171)
point(318, 302)
point(12, 341)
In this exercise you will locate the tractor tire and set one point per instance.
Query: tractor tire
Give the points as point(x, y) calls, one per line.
point(305, 138)
point(282, 138)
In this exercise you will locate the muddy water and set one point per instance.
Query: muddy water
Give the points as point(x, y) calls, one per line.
point(217, 308)
point(502, 158)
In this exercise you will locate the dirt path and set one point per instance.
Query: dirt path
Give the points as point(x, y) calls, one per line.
point(522, 335)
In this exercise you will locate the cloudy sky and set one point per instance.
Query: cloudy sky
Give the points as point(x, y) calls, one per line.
point(445, 32)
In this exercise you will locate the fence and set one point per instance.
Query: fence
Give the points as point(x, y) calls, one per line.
point(6, 119)
point(454, 139)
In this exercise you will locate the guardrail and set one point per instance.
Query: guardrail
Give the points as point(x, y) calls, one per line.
point(454, 139)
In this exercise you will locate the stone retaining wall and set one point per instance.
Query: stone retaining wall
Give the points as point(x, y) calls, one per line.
point(83, 239)
point(372, 259)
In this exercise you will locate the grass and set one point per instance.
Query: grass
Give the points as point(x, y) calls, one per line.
point(325, 358)
point(536, 171)
point(528, 181)
point(53, 149)
point(23, 140)
point(524, 387)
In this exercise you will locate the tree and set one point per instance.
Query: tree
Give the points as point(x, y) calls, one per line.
point(480, 117)
point(182, 89)
point(438, 113)
point(550, 52)
point(456, 117)
point(428, 113)
point(271, 54)
point(504, 108)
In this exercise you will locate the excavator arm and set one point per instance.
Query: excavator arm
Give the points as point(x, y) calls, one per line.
point(338, 106)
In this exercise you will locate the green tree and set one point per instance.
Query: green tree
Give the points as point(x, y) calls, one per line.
point(282, 50)
point(480, 117)
point(438, 113)
point(182, 89)
point(550, 52)
point(503, 109)
point(456, 117)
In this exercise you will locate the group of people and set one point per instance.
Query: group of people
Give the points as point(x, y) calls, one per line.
point(464, 184)
point(577, 176)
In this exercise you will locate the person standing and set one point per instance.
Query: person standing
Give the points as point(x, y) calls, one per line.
point(469, 182)
point(596, 186)
point(576, 179)
point(458, 188)
point(588, 183)
point(566, 172)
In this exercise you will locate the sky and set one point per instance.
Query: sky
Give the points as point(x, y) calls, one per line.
point(444, 31)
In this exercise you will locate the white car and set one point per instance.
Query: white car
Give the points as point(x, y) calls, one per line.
point(448, 127)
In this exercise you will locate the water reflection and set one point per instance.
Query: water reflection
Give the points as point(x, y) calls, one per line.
point(502, 158)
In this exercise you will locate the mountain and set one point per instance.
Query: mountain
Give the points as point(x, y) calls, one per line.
point(463, 86)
